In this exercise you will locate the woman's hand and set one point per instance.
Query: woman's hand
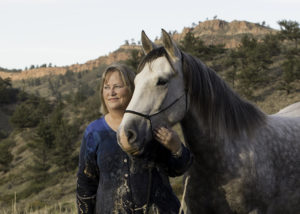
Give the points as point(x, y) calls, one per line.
point(169, 139)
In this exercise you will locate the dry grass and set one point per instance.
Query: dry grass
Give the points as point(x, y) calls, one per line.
point(65, 205)
point(38, 208)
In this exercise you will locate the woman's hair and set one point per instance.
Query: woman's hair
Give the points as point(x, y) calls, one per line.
point(127, 76)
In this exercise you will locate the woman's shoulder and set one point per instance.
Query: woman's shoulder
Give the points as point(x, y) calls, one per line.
point(95, 126)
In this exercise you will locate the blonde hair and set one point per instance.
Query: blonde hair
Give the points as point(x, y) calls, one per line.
point(127, 76)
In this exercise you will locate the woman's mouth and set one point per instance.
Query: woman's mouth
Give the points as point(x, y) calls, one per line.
point(113, 99)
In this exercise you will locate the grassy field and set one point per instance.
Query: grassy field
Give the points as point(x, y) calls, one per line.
point(57, 208)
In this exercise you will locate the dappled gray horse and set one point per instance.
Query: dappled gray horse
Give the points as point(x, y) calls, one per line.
point(245, 161)
point(292, 110)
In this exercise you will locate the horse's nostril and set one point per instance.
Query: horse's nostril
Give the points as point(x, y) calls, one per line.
point(131, 136)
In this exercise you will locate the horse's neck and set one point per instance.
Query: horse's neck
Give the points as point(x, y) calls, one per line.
point(207, 151)
point(213, 156)
point(196, 136)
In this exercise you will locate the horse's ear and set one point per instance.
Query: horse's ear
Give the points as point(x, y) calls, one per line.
point(147, 44)
point(170, 45)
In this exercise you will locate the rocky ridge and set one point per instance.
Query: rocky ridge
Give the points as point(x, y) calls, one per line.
point(211, 32)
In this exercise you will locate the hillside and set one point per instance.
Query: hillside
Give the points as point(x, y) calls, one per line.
point(121, 54)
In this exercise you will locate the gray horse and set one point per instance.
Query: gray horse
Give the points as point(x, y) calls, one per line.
point(245, 161)
point(292, 110)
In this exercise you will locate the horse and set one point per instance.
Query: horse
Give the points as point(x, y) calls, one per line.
point(292, 110)
point(245, 161)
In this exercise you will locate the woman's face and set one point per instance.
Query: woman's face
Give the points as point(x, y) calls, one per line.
point(115, 93)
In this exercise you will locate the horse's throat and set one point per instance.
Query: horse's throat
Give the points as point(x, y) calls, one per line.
point(206, 150)
point(195, 135)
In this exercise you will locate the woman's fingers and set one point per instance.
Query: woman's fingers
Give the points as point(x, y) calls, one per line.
point(164, 135)
point(160, 135)
point(161, 139)
point(163, 131)
point(168, 138)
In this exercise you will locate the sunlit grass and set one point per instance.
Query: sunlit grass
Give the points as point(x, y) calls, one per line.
point(64, 206)
point(38, 208)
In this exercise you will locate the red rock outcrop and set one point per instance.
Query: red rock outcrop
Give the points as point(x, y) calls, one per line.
point(211, 32)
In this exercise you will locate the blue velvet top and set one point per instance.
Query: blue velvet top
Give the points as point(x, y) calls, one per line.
point(110, 181)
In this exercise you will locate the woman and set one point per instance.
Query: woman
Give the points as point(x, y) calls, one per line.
point(109, 181)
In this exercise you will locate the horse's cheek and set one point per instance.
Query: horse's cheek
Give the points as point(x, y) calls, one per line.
point(176, 115)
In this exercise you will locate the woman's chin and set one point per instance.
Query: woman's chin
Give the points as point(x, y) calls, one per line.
point(116, 107)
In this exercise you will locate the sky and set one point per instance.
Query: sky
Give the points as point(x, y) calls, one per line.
point(66, 32)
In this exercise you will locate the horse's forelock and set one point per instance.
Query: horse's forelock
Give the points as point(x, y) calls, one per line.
point(152, 55)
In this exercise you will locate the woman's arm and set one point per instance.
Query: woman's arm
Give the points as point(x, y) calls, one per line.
point(175, 157)
point(87, 176)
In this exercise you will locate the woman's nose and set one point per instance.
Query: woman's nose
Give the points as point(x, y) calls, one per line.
point(113, 91)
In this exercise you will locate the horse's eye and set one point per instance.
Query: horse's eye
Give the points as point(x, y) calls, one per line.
point(161, 81)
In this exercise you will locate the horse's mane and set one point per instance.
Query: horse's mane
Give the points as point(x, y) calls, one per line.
point(222, 110)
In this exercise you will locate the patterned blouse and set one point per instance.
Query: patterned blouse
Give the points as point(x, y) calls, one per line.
point(109, 181)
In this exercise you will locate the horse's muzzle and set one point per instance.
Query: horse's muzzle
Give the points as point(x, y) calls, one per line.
point(127, 140)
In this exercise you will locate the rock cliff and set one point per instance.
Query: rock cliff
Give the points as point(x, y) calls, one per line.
point(211, 32)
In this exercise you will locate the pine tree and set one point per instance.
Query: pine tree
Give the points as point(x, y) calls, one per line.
point(64, 141)
point(290, 30)
point(8, 94)
point(196, 47)
point(291, 72)
point(135, 58)
point(5, 154)
point(254, 60)
point(30, 112)
point(232, 63)
point(41, 145)
point(189, 44)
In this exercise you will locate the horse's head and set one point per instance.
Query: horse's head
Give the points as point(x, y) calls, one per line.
point(159, 98)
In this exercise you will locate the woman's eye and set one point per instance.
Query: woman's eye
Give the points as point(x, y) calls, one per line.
point(161, 81)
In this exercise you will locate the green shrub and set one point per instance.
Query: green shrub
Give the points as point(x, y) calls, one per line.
point(30, 112)
point(7, 93)
point(5, 155)
point(3, 134)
